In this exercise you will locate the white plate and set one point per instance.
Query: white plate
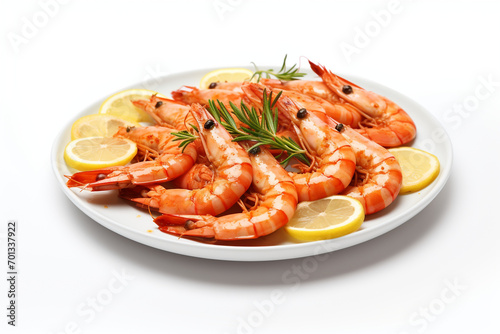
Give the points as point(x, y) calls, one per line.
point(123, 218)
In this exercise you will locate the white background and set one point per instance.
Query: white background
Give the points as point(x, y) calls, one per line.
point(438, 273)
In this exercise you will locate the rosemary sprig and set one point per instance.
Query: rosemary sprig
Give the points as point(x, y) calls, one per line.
point(260, 129)
point(283, 74)
point(186, 137)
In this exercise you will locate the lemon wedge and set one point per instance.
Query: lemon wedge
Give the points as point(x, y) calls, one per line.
point(225, 75)
point(120, 105)
point(98, 125)
point(327, 218)
point(98, 152)
point(419, 168)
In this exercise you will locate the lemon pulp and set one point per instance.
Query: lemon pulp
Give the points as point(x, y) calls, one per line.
point(98, 125)
point(327, 218)
point(99, 152)
point(419, 168)
point(120, 105)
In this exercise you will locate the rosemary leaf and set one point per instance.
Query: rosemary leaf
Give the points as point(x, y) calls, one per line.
point(186, 137)
point(283, 74)
point(261, 129)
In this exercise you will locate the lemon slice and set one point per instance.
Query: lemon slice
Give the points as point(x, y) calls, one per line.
point(98, 125)
point(99, 152)
point(419, 168)
point(327, 218)
point(225, 75)
point(120, 105)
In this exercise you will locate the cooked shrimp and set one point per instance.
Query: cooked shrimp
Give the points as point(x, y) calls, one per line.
point(334, 161)
point(189, 95)
point(233, 175)
point(384, 121)
point(170, 162)
point(176, 114)
point(378, 174)
point(235, 86)
point(335, 107)
point(277, 200)
point(166, 111)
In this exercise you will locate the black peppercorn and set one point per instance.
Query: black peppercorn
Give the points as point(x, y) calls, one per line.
point(255, 150)
point(339, 127)
point(302, 113)
point(346, 89)
point(209, 124)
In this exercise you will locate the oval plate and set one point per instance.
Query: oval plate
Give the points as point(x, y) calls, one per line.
point(120, 216)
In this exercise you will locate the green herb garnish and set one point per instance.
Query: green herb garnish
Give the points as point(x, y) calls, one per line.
point(258, 128)
point(283, 74)
point(186, 137)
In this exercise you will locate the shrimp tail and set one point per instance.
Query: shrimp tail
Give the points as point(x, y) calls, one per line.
point(186, 225)
point(141, 173)
point(141, 196)
point(96, 180)
point(83, 178)
point(169, 219)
